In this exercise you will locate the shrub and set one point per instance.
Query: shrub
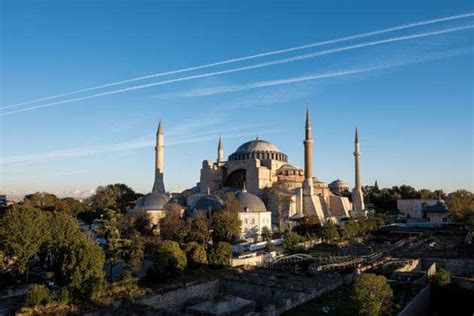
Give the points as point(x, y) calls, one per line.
point(372, 294)
point(291, 241)
point(170, 259)
point(221, 254)
point(37, 294)
point(62, 296)
point(442, 278)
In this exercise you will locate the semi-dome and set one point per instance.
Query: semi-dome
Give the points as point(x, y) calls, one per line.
point(152, 201)
point(208, 203)
point(250, 202)
point(258, 149)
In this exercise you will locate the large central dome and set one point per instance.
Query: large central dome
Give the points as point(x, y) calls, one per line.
point(258, 149)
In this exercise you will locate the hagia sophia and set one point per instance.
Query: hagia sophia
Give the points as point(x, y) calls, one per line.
point(270, 190)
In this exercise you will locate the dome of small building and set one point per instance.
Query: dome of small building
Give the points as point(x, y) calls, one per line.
point(338, 182)
point(208, 203)
point(258, 149)
point(250, 202)
point(152, 201)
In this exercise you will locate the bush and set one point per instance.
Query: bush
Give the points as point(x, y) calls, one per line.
point(221, 254)
point(36, 295)
point(291, 241)
point(442, 278)
point(62, 296)
point(372, 294)
point(170, 259)
point(270, 246)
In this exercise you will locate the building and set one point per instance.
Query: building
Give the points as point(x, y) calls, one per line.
point(430, 211)
point(262, 167)
point(413, 208)
point(339, 186)
point(152, 205)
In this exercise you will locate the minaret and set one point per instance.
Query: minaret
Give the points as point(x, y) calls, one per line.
point(308, 150)
point(357, 195)
point(159, 186)
point(220, 151)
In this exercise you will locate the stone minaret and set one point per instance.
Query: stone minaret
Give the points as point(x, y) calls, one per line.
point(357, 195)
point(220, 151)
point(159, 186)
point(308, 149)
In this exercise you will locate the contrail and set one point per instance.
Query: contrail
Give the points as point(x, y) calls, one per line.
point(276, 62)
point(269, 83)
point(265, 54)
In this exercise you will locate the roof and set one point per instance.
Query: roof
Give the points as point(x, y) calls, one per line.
point(208, 203)
point(152, 201)
point(256, 145)
point(250, 202)
point(439, 207)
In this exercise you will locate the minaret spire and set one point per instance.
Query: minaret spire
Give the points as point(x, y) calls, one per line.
point(308, 147)
point(357, 194)
point(159, 186)
point(220, 151)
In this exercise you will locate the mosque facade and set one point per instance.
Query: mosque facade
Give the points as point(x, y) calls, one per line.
point(258, 171)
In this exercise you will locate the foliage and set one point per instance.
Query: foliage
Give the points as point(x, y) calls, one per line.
point(270, 246)
point(221, 254)
point(461, 205)
point(197, 255)
point(114, 247)
point(136, 253)
point(372, 294)
point(291, 241)
point(62, 296)
point(173, 227)
point(82, 267)
point(226, 226)
point(442, 278)
point(200, 227)
point(37, 294)
point(266, 233)
point(23, 230)
point(330, 232)
point(170, 260)
point(309, 225)
point(74, 206)
point(113, 196)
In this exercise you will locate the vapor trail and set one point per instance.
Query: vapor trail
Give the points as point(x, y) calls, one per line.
point(265, 54)
point(276, 62)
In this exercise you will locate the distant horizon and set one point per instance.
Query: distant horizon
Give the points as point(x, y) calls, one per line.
point(84, 85)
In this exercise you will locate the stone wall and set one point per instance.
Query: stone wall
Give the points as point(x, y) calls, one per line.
point(457, 267)
point(177, 299)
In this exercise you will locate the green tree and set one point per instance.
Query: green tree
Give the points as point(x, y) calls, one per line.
point(173, 227)
point(372, 294)
point(461, 205)
point(200, 227)
point(309, 225)
point(74, 206)
point(330, 233)
point(136, 253)
point(82, 267)
point(23, 231)
point(43, 201)
point(221, 254)
point(349, 230)
point(170, 260)
point(226, 226)
point(442, 278)
point(291, 241)
point(36, 294)
point(266, 233)
point(114, 247)
point(113, 196)
point(197, 255)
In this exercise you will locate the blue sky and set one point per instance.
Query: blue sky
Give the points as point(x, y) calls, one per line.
point(410, 90)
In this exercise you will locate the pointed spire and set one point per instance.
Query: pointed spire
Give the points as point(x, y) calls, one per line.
point(308, 116)
point(258, 138)
point(356, 136)
point(220, 146)
point(160, 129)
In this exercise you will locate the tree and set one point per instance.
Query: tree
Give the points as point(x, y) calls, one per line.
point(226, 226)
point(372, 294)
point(36, 294)
point(173, 227)
point(266, 233)
point(461, 205)
point(136, 253)
point(309, 225)
point(74, 206)
point(200, 226)
point(442, 278)
point(291, 241)
point(113, 196)
point(330, 232)
point(42, 200)
point(197, 255)
point(170, 260)
point(221, 254)
point(114, 247)
point(82, 267)
point(23, 230)
point(350, 230)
